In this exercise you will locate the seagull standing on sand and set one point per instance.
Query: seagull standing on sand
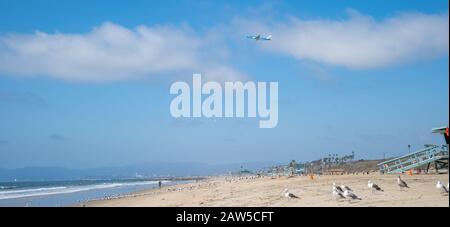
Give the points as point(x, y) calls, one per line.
point(350, 196)
point(337, 188)
point(289, 195)
point(441, 187)
point(374, 187)
point(345, 187)
point(337, 194)
point(402, 184)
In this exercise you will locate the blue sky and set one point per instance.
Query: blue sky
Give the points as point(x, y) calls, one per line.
point(86, 83)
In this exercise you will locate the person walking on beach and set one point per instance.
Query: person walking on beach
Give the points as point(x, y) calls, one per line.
point(159, 184)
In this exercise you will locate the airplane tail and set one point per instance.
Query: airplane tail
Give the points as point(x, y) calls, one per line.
point(269, 37)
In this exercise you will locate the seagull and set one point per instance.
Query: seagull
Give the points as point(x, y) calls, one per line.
point(337, 194)
point(441, 187)
point(402, 184)
point(350, 196)
point(345, 187)
point(374, 187)
point(337, 188)
point(289, 195)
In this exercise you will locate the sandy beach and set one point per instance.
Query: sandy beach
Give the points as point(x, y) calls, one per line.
point(268, 192)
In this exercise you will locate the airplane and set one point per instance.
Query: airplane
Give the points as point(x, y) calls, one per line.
point(259, 37)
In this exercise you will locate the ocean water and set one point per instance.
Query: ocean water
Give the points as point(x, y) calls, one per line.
point(66, 193)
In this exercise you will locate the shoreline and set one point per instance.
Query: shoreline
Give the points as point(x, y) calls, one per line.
point(267, 192)
point(59, 193)
point(166, 183)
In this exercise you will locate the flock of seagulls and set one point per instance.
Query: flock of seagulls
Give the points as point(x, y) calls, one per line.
point(345, 192)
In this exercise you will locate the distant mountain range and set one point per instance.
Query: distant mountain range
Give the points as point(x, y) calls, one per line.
point(129, 171)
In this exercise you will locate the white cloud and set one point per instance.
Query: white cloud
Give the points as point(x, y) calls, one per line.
point(108, 52)
point(358, 42)
point(112, 52)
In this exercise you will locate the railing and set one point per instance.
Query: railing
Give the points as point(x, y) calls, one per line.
point(419, 158)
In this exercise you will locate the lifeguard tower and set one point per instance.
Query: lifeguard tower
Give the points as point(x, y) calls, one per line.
point(431, 154)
